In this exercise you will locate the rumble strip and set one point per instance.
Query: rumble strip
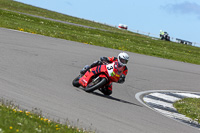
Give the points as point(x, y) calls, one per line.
point(162, 102)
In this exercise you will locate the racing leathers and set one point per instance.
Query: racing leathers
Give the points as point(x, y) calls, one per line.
point(107, 90)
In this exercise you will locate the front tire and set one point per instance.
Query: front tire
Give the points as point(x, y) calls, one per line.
point(75, 82)
point(101, 83)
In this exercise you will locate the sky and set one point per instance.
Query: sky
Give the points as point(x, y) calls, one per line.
point(180, 18)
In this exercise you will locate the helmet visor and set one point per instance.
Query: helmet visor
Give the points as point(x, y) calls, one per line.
point(124, 61)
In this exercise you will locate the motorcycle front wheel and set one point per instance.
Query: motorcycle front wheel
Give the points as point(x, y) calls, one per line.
point(75, 82)
point(96, 84)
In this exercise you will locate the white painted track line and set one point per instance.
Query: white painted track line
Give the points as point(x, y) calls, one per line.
point(173, 115)
point(161, 103)
point(165, 97)
point(188, 95)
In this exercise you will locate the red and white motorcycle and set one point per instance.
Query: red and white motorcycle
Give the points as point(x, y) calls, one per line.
point(99, 76)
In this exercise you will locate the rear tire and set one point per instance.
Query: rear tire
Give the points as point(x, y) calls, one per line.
point(75, 82)
point(96, 86)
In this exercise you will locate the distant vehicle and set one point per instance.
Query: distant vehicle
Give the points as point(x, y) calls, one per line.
point(122, 26)
point(165, 36)
point(184, 41)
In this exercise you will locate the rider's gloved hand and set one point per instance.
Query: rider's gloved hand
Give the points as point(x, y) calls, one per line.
point(100, 62)
point(104, 59)
point(121, 79)
point(96, 63)
point(85, 68)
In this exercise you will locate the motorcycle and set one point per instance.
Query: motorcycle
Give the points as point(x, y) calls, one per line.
point(165, 36)
point(99, 76)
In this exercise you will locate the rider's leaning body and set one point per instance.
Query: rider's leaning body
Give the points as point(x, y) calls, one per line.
point(120, 70)
point(124, 69)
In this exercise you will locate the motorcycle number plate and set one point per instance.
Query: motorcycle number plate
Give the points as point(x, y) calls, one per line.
point(110, 68)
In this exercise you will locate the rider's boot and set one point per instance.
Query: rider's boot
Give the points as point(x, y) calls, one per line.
point(105, 91)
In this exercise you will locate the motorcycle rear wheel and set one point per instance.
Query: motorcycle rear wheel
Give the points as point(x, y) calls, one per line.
point(75, 82)
point(99, 84)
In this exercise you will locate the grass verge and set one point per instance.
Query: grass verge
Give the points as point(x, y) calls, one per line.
point(14, 120)
point(20, 7)
point(125, 41)
point(190, 107)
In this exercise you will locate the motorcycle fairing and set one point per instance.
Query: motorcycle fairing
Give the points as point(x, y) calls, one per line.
point(86, 78)
point(111, 72)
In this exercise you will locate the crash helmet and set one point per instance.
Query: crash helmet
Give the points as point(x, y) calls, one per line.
point(123, 58)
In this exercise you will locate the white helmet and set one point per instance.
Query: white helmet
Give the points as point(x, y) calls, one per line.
point(123, 58)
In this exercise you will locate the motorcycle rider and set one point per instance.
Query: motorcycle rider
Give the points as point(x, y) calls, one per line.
point(161, 34)
point(164, 35)
point(122, 61)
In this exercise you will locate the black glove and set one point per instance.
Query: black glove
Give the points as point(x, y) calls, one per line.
point(104, 59)
point(96, 63)
point(121, 79)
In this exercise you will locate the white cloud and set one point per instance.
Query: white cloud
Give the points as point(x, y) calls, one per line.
point(183, 8)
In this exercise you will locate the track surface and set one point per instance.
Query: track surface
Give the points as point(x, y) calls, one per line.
point(37, 71)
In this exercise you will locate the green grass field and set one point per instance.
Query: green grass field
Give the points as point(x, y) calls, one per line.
point(190, 107)
point(14, 120)
point(16, 6)
point(125, 41)
point(113, 38)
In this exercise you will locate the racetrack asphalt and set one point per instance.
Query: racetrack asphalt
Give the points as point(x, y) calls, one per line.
point(36, 72)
